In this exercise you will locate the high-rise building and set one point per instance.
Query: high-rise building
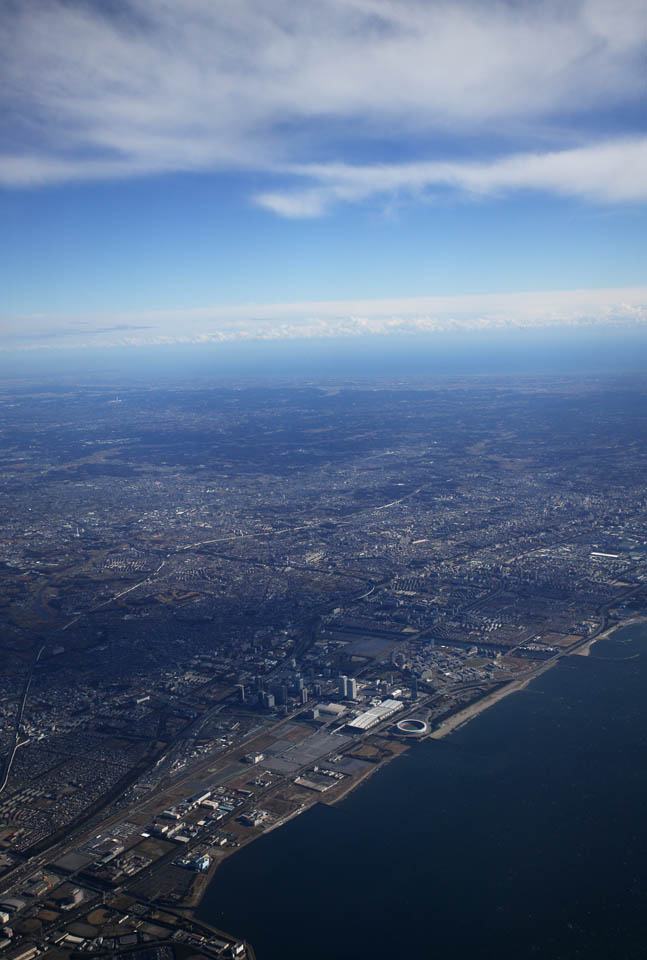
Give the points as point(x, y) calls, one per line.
point(343, 686)
point(351, 688)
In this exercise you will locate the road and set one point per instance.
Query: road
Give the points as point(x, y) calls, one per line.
point(8, 762)
point(152, 577)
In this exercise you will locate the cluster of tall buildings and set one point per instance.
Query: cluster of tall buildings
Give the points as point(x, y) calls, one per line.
point(348, 688)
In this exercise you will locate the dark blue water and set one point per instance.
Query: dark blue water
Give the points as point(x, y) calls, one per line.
point(523, 834)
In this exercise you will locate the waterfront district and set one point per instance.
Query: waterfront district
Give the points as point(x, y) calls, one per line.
point(224, 604)
point(521, 836)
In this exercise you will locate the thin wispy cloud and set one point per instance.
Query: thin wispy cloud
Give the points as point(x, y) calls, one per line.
point(613, 172)
point(481, 98)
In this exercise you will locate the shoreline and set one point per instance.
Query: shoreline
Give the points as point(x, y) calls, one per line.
point(448, 725)
point(361, 780)
point(473, 710)
point(585, 649)
point(465, 714)
point(196, 898)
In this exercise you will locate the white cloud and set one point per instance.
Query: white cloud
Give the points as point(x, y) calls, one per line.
point(610, 172)
point(162, 85)
point(625, 306)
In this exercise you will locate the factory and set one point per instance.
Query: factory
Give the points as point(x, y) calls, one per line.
point(381, 711)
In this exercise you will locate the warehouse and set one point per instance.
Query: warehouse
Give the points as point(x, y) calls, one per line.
point(382, 711)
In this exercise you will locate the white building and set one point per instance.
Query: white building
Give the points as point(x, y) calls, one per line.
point(382, 711)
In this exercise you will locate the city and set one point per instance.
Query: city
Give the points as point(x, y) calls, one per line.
point(224, 604)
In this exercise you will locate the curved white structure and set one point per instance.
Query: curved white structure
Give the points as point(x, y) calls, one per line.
point(412, 727)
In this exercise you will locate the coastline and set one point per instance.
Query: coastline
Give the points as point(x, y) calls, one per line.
point(450, 723)
point(192, 904)
point(473, 710)
point(481, 784)
point(585, 649)
point(361, 780)
point(468, 713)
point(447, 726)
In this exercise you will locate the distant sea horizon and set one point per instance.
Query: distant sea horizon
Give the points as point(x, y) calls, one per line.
point(521, 834)
point(551, 350)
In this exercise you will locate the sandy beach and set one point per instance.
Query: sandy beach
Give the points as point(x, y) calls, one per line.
point(473, 710)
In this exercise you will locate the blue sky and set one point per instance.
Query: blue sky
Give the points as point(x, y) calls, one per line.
point(192, 171)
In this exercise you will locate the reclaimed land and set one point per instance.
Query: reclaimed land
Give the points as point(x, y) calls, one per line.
point(447, 724)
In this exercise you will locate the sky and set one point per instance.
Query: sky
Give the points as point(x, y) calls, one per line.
point(225, 171)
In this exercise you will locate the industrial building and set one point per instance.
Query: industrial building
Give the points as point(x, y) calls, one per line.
point(381, 711)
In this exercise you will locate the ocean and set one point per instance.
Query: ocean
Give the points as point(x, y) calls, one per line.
point(521, 834)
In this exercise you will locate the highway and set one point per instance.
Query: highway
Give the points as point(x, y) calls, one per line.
point(8, 762)
point(312, 525)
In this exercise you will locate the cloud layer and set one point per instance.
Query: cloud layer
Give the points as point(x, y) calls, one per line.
point(625, 307)
point(300, 91)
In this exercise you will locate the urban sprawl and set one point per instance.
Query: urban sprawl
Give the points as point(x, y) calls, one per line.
point(222, 604)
